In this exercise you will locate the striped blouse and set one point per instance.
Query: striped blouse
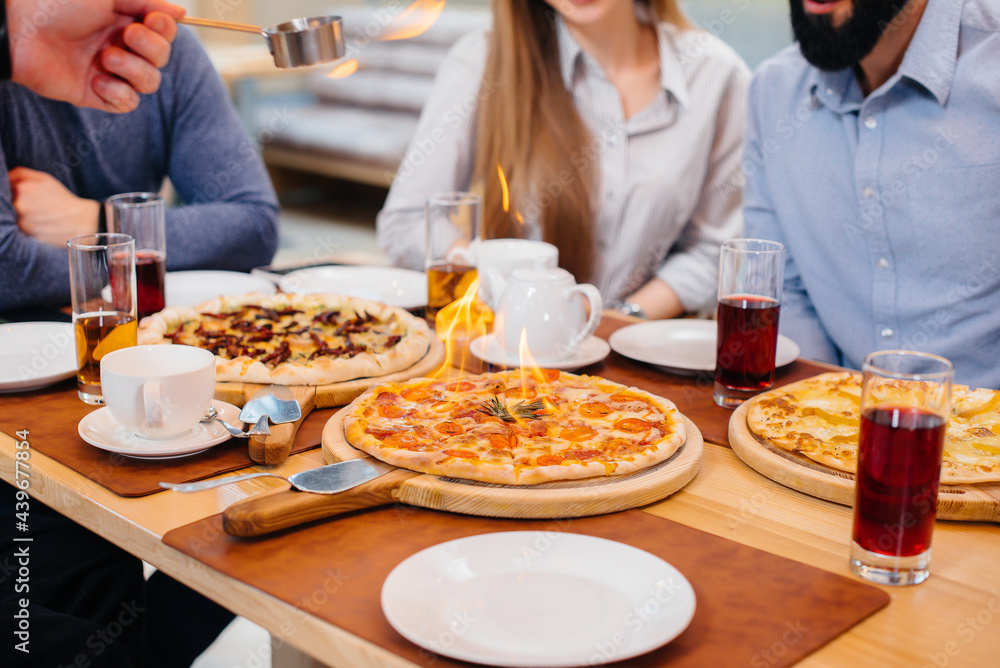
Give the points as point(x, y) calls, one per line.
point(670, 180)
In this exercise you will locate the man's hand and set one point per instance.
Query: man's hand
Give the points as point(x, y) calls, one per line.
point(47, 211)
point(91, 53)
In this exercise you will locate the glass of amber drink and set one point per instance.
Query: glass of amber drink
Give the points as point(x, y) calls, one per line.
point(453, 221)
point(143, 217)
point(102, 283)
point(905, 404)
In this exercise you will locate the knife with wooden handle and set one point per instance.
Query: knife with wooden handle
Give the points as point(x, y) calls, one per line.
point(266, 513)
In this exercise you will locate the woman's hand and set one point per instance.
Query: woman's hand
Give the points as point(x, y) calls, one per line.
point(47, 211)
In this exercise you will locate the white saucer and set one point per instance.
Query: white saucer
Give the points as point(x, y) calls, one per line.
point(594, 349)
point(682, 346)
point(527, 598)
point(101, 430)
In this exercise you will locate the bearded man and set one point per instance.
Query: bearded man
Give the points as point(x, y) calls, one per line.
point(873, 154)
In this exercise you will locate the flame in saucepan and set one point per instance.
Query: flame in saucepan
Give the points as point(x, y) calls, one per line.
point(414, 20)
point(344, 69)
point(457, 325)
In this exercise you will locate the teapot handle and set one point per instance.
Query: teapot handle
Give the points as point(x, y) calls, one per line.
point(491, 286)
point(593, 296)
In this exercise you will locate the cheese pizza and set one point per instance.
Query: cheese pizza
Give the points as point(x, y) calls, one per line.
point(819, 418)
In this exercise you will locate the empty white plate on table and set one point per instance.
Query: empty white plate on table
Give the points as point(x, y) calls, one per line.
point(532, 598)
point(35, 354)
point(682, 346)
point(404, 288)
point(190, 288)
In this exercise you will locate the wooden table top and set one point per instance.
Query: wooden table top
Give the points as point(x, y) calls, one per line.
point(949, 620)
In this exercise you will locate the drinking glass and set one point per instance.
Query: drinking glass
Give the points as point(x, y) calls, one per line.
point(453, 221)
point(142, 215)
point(102, 285)
point(905, 403)
point(750, 277)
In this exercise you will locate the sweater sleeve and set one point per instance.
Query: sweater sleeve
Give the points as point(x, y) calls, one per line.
point(229, 216)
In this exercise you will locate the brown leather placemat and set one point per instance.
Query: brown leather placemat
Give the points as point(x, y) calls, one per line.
point(51, 417)
point(753, 608)
point(692, 394)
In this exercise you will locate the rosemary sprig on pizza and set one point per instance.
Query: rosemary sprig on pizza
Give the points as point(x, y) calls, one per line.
point(515, 427)
point(819, 418)
point(294, 339)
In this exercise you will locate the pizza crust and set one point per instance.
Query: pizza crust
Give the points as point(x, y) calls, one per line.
point(819, 418)
point(414, 342)
point(427, 451)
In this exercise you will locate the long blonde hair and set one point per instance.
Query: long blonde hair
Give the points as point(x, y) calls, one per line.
point(529, 127)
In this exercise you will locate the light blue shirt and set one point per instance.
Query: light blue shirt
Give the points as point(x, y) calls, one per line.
point(889, 205)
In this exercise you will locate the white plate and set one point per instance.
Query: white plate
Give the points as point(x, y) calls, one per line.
point(101, 430)
point(389, 285)
point(190, 288)
point(592, 350)
point(532, 598)
point(35, 354)
point(684, 345)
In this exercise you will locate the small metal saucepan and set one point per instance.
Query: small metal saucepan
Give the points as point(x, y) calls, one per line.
point(297, 43)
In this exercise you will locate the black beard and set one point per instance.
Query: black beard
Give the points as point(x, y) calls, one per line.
point(830, 48)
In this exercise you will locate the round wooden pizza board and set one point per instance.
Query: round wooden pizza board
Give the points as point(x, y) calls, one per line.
point(979, 502)
point(569, 498)
point(274, 449)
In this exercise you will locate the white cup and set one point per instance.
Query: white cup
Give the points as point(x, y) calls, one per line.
point(158, 392)
point(498, 258)
point(550, 309)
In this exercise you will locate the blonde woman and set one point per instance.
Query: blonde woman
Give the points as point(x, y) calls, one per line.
point(618, 128)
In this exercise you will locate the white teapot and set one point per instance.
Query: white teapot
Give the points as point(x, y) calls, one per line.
point(549, 307)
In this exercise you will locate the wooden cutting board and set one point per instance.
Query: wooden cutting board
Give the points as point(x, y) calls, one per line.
point(569, 498)
point(980, 502)
point(274, 449)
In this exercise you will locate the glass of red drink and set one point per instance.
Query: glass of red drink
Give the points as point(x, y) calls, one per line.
point(102, 287)
point(905, 403)
point(142, 216)
point(750, 277)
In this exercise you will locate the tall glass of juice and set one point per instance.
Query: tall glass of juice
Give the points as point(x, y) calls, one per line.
point(453, 221)
point(143, 215)
point(102, 285)
point(905, 404)
point(750, 277)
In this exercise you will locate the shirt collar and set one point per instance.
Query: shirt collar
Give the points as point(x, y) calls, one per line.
point(929, 60)
point(671, 74)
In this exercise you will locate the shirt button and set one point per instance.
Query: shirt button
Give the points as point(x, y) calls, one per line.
point(868, 191)
point(883, 263)
point(612, 141)
point(886, 333)
point(871, 123)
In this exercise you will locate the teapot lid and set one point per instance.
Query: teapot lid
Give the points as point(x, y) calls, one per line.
point(542, 275)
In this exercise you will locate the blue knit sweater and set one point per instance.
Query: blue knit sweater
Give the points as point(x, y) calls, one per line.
point(187, 131)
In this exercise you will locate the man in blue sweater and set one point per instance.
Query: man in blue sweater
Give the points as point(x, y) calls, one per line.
point(187, 131)
point(90, 604)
